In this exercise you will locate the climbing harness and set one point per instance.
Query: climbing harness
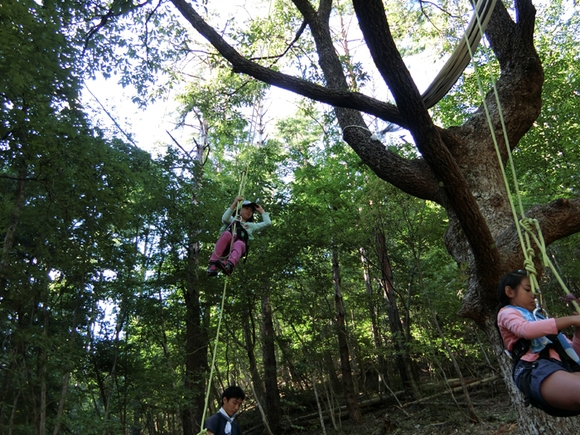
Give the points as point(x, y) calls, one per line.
point(522, 373)
point(238, 233)
point(235, 226)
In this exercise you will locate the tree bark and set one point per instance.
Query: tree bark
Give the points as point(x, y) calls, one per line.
point(273, 407)
point(402, 359)
point(347, 382)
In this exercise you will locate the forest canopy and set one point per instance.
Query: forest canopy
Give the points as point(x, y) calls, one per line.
point(391, 220)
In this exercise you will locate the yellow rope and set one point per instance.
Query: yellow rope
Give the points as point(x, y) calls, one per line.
point(529, 225)
point(238, 206)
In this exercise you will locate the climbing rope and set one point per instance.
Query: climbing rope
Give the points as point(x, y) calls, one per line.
point(237, 211)
point(531, 227)
point(221, 313)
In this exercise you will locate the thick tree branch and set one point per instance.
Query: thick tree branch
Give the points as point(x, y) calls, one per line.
point(240, 64)
point(375, 28)
point(558, 219)
point(411, 176)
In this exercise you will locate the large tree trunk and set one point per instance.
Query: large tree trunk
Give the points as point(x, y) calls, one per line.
point(347, 381)
point(273, 407)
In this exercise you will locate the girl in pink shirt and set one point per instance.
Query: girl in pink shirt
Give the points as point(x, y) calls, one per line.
point(546, 369)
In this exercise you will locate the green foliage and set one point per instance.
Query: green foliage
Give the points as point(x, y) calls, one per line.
point(109, 242)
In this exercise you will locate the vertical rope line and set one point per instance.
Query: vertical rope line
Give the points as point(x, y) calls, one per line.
point(214, 354)
point(527, 249)
point(239, 204)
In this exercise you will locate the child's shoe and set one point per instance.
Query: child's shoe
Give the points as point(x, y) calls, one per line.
point(212, 270)
point(227, 267)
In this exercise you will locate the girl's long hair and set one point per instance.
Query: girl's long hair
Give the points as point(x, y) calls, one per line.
point(510, 279)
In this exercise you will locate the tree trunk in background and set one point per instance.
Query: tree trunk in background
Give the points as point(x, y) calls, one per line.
point(43, 363)
point(295, 376)
point(9, 237)
point(66, 380)
point(377, 339)
point(197, 338)
point(273, 407)
point(401, 356)
point(454, 362)
point(347, 382)
point(195, 348)
point(249, 346)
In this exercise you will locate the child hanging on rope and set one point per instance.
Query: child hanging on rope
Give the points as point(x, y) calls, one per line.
point(242, 229)
point(545, 365)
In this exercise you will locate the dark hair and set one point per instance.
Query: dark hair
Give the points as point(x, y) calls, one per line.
point(233, 391)
point(510, 279)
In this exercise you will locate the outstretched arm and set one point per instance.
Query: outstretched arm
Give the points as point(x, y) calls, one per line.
point(236, 201)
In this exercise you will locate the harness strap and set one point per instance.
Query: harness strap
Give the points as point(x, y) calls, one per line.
point(241, 233)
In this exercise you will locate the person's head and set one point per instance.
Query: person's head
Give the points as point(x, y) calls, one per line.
point(514, 289)
point(232, 399)
point(247, 211)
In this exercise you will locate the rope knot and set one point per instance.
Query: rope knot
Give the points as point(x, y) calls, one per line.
point(529, 266)
point(526, 223)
